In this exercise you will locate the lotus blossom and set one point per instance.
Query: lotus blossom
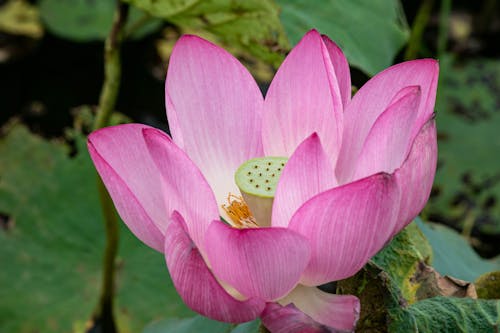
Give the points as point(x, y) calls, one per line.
point(257, 201)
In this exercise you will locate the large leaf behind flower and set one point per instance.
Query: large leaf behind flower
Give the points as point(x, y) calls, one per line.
point(200, 324)
point(188, 325)
point(453, 256)
point(52, 243)
point(84, 20)
point(369, 32)
point(251, 25)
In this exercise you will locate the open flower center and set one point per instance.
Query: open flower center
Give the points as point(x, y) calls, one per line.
point(237, 209)
point(257, 180)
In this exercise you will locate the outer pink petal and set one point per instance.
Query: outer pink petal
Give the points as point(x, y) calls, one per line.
point(303, 98)
point(196, 284)
point(132, 179)
point(289, 319)
point(340, 312)
point(307, 173)
point(214, 110)
point(345, 224)
point(375, 96)
point(341, 67)
point(258, 262)
point(416, 176)
point(185, 188)
point(387, 144)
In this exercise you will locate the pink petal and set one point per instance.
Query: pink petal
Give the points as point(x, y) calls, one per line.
point(375, 96)
point(345, 224)
point(289, 319)
point(258, 262)
point(185, 188)
point(416, 176)
point(214, 110)
point(307, 173)
point(340, 312)
point(132, 179)
point(303, 98)
point(341, 67)
point(387, 144)
point(196, 284)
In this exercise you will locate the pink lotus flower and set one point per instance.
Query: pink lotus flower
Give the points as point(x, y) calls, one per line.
point(356, 171)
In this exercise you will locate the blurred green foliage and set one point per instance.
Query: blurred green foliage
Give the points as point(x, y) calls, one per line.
point(251, 25)
point(53, 240)
point(18, 17)
point(83, 20)
point(467, 185)
point(452, 254)
point(200, 324)
point(188, 325)
point(370, 33)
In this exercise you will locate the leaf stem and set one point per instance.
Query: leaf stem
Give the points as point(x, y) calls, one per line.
point(468, 225)
point(103, 317)
point(417, 30)
point(112, 67)
point(444, 21)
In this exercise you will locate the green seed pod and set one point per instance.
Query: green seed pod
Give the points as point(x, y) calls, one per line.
point(259, 176)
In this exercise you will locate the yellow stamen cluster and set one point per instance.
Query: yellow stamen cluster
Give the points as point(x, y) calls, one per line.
point(238, 211)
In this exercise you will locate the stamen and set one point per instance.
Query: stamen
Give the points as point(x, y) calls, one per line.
point(238, 211)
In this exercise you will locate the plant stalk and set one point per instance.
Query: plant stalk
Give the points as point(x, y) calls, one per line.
point(112, 67)
point(104, 315)
point(417, 30)
point(103, 319)
point(444, 22)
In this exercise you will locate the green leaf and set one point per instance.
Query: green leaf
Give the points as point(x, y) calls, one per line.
point(251, 25)
point(200, 324)
point(401, 258)
point(453, 256)
point(369, 32)
point(18, 17)
point(83, 20)
point(52, 245)
point(378, 294)
point(250, 327)
point(188, 325)
point(165, 8)
point(446, 314)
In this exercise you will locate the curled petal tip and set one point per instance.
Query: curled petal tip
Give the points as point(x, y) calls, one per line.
point(313, 32)
point(314, 135)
